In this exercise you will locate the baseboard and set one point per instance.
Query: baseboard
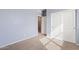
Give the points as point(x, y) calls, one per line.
point(17, 41)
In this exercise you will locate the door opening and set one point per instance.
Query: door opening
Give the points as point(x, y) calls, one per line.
point(41, 25)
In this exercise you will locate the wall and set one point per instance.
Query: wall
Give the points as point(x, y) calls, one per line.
point(43, 25)
point(77, 26)
point(16, 25)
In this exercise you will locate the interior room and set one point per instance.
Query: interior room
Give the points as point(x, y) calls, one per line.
point(39, 29)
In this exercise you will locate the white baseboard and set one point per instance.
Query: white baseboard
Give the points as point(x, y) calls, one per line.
point(16, 41)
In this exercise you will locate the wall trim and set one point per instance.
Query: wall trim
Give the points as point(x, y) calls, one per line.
point(17, 41)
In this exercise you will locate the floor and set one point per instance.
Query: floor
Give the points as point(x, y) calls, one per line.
point(41, 42)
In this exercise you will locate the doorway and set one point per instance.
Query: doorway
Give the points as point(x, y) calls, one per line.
point(41, 25)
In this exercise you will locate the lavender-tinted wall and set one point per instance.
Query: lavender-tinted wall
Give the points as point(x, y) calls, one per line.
point(17, 24)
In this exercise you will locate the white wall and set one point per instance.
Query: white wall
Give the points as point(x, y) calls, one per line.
point(17, 24)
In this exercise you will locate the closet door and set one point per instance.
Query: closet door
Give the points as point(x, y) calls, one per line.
point(57, 25)
point(63, 25)
point(69, 25)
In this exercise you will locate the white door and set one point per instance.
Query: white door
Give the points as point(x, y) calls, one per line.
point(57, 25)
point(69, 25)
point(63, 25)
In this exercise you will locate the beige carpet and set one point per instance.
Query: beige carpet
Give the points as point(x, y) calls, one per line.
point(41, 42)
